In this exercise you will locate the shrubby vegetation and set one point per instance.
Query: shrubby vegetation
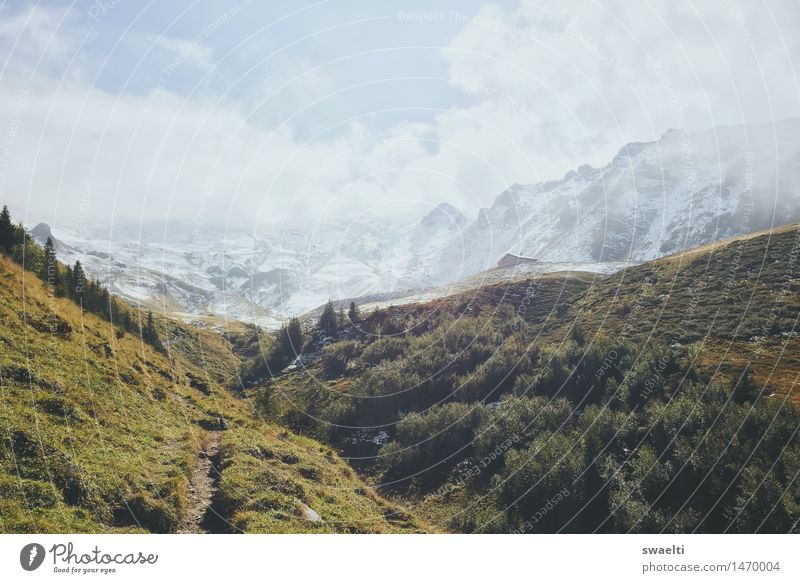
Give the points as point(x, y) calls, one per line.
point(656, 453)
point(428, 446)
point(336, 357)
point(590, 434)
point(488, 417)
point(266, 357)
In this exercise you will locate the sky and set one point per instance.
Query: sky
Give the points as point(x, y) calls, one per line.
point(246, 113)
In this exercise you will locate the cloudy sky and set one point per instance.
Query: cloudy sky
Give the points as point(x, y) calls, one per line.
point(237, 113)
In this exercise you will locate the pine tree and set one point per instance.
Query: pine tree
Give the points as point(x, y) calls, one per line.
point(7, 231)
point(78, 282)
point(93, 297)
point(26, 251)
point(353, 313)
point(22, 237)
point(49, 271)
point(105, 304)
point(149, 333)
point(327, 321)
point(126, 321)
point(49, 254)
point(294, 336)
point(69, 278)
point(288, 345)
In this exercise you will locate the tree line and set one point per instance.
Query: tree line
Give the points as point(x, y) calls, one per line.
point(71, 282)
point(293, 339)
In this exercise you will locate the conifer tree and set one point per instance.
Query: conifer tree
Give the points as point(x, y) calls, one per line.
point(7, 231)
point(353, 313)
point(105, 304)
point(92, 299)
point(327, 321)
point(68, 279)
point(49, 254)
point(126, 321)
point(25, 250)
point(78, 282)
point(294, 336)
point(288, 345)
point(49, 272)
point(150, 333)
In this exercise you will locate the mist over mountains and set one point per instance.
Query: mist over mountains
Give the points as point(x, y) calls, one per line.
point(657, 198)
point(652, 199)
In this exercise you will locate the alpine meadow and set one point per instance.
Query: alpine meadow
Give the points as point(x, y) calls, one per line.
point(335, 267)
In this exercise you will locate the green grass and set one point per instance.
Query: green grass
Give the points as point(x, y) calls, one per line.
point(732, 290)
point(269, 476)
point(99, 433)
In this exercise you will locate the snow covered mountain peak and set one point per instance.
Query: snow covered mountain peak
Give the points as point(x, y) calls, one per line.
point(444, 214)
point(653, 198)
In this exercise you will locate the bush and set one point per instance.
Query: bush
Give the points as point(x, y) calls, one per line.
point(520, 420)
point(543, 484)
point(429, 445)
point(384, 349)
point(335, 358)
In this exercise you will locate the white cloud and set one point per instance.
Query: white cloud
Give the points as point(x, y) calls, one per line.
point(34, 41)
point(191, 52)
point(603, 74)
point(549, 87)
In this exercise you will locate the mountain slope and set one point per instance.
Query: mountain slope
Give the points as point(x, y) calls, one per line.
point(653, 199)
point(738, 289)
point(662, 398)
point(738, 298)
point(99, 432)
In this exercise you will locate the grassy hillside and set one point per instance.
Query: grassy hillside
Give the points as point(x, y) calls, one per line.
point(100, 432)
point(739, 299)
point(658, 399)
point(737, 289)
point(655, 400)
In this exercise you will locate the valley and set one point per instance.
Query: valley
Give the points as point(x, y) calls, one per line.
point(647, 396)
point(661, 398)
point(103, 433)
